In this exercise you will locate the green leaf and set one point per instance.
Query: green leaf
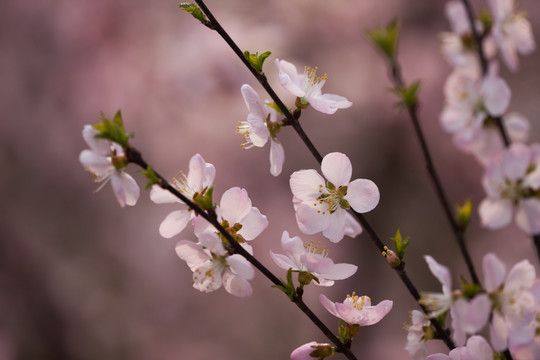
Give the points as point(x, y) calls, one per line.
point(386, 39)
point(151, 175)
point(113, 130)
point(205, 199)
point(464, 213)
point(195, 11)
point(401, 244)
point(255, 60)
point(408, 94)
point(287, 287)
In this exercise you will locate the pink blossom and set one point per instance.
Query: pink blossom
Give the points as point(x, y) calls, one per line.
point(477, 348)
point(357, 309)
point(311, 259)
point(321, 203)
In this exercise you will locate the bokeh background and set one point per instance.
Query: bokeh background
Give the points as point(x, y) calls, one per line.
point(81, 278)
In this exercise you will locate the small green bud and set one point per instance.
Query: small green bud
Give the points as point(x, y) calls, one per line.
point(408, 95)
point(464, 213)
point(469, 290)
point(386, 39)
point(255, 60)
point(195, 11)
point(151, 176)
point(113, 129)
point(401, 244)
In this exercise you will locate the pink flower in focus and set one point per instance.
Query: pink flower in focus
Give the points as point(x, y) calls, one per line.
point(309, 258)
point(357, 309)
point(260, 126)
point(321, 203)
point(307, 86)
point(200, 177)
point(106, 161)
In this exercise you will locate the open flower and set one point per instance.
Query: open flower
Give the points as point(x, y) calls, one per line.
point(236, 215)
point(468, 316)
point(311, 259)
point(416, 335)
point(260, 126)
point(512, 183)
point(321, 203)
point(477, 348)
point(106, 161)
point(357, 310)
point(313, 350)
point(307, 87)
point(511, 31)
point(200, 177)
point(212, 267)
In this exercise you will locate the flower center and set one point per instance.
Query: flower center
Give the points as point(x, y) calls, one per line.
point(314, 249)
point(332, 197)
point(243, 129)
point(358, 302)
point(312, 81)
point(183, 186)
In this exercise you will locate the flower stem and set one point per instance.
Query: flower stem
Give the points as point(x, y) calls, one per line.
point(478, 40)
point(459, 231)
point(134, 156)
point(536, 241)
point(292, 119)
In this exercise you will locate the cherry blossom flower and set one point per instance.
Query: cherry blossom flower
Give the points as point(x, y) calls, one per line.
point(321, 203)
point(477, 348)
point(236, 215)
point(313, 350)
point(307, 86)
point(212, 267)
point(106, 161)
point(260, 126)
point(200, 177)
point(468, 316)
point(416, 344)
point(357, 309)
point(515, 305)
point(511, 31)
point(311, 259)
point(511, 183)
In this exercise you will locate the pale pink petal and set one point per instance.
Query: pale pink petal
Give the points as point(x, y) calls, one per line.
point(174, 223)
point(125, 188)
point(516, 161)
point(200, 225)
point(517, 126)
point(253, 102)
point(336, 226)
point(201, 174)
point(283, 261)
point(329, 103)
point(235, 205)
point(369, 315)
point(212, 242)
point(455, 117)
point(96, 163)
point(441, 272)
point(473, 315)
point(207, 277)
point(479, 348)
point(191, 253)
point(498, 332)
point(457, 16)
point(235, 285)
point(328, 305)
point(292, 245)
point(496, 95)
point(363, 195)
point(277, 157)
point(528, 216)
point(303, 352)
point(99, 146)
point(161, 196)
point(520, 277)
point(306, 184)
point(289, 78)
point(337, 271)
point(494, 272)
point(495, 214)
point(438, 356)
point(352, 226)
point(240, 266)
point(336, 168)
point(310, 220)
point(253, 224)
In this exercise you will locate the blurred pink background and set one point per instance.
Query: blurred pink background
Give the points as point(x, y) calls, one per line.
point(81, 278)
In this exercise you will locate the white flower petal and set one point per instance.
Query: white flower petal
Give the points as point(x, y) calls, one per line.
point(352, 226)
point(240, 266)
point(363, 195)
point(306, 184)
point(212, 242)
point(441, 272)
point(309, 220)
point(283, 261)
point(235, 205)
point(235, 285)
point(253, 224)
point(329, 103)
point(125, 188)
point(336, 226)
point(494, 272)
point(96, 163)
point(201, 174)
point(99, 146)
point(528, 216)
point(336, 168)
point(289, 78)
point(191, 253)
point(277, 157)
point(495, 214)
point(253, 103)
point(161, 196)
point(516, 161)
point(496, 95)
point(174, 223)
